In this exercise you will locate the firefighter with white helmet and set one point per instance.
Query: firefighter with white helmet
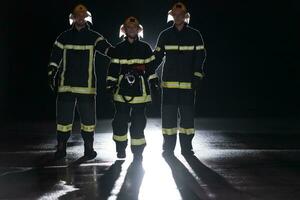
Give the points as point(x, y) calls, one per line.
point(129, 74)
point(183, 48)
point(72, 64)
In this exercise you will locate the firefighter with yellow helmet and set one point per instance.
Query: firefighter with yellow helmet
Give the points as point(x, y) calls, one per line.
point(129, 74)
point(184, 52)
point(72, 62)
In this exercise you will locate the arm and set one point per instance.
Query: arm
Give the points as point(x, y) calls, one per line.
point(113, 70)
point(102, 46)
point(159, 51)
point(200, 56)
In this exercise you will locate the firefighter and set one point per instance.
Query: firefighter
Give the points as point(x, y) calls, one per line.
point(72, 61)
point(184, 52)
point(130, 71)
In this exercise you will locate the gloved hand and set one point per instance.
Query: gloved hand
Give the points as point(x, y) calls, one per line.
point(196, 84)
point(111, 86)
point(52, 70)
point(154, 84)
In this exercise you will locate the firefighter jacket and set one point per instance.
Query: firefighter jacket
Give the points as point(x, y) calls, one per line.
point(74, 53)
point(184, 54)
point(131, 68)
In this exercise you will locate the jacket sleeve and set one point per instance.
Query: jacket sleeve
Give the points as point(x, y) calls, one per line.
point(114, 67)
point(159, 51)
point(56, 56)
point(200, 56)
point(102, 46)
point(150, 63)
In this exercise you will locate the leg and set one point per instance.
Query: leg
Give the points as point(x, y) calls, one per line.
point(186, 131)
point(87, 113)
point(138, 124)
point(169, 128)
point(120, 127)
point(65, 104)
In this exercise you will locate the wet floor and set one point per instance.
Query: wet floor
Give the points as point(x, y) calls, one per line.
point(234, 159)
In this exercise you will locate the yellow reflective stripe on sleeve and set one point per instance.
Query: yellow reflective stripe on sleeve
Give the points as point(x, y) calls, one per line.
point(53, 64)
point(187, 131)
point(98, 40)
point(88, 128)
point(149, 59)
point(62, 78)
point(171, 47)
point(200, 47)
point(60, 45)
point(186, 48)
point(90, 70)
point(79, 47)
point(120, 138)
point(157, 49)
point(64, 128)
point(137, 142)
point(198, 74)
point(177, 85)
point(78, 90)
point(152, 76)
point(115, 60)
point(169, 131)
point(110, 78)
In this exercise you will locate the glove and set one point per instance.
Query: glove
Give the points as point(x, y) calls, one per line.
point(196, 84)
point(51, 77)
point(111, 87)
point(154, 84)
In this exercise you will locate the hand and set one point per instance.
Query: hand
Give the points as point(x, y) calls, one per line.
point(51, 77)
point(111, 87)
point(154, 84)
point(196, 84)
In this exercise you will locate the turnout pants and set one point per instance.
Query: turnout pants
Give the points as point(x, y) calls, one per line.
point(65, 110)
point(125, 113)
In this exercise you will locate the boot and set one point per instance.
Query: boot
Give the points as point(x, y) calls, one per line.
point(169, 145)
point(186, 144)
point(61, 147)
point(89, 152)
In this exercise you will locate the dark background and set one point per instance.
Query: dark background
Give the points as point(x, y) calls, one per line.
point(252, 65)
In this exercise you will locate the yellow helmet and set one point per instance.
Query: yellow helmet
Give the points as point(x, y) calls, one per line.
point(80, 9)
point(181, 7)
point(131, 21)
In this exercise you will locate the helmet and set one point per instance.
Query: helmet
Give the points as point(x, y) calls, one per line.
point(182, 7)
point(80, 9)
point(131, 21)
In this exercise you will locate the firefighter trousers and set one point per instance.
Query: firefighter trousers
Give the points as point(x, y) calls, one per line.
point(129, 113)
point(65, 110)
point(170, 115)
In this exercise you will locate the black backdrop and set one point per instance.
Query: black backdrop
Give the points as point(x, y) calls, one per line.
point(252, 65)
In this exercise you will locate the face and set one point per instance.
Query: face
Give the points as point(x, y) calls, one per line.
point(179, 16)
point(79, 19)
point(131, 31)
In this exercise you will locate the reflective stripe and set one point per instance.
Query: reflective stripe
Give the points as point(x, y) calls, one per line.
point(186, 48)
point(171, 47)
point(198, 74)
point(200, 47)
point(62, 78)
point(115, 60)
point(157, 49)
point(152, 76)
point(78, 47)
point(88, 128)
point(110, 78)
point(187, 131)
point(90, 70)
point(169, 131)
point(60, 45)
point(53, 64)
point(177, 85)
point(138, 99)
point(98, 40)
point(120, 138)
point(64, 128)
point(79, 90)
point(137, 142)
point(180, 48)
point(149, 59)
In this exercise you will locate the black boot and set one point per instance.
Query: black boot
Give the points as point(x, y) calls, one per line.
point(61, 147)
point(169, 145)
point(186, 144)
point(89, 152)
point(121, 149)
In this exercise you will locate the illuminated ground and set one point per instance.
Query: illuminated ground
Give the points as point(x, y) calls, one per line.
point(235, 159)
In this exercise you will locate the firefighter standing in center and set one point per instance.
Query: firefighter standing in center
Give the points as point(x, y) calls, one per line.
point(72, 60)
point(130, 70)
point(183, 49)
